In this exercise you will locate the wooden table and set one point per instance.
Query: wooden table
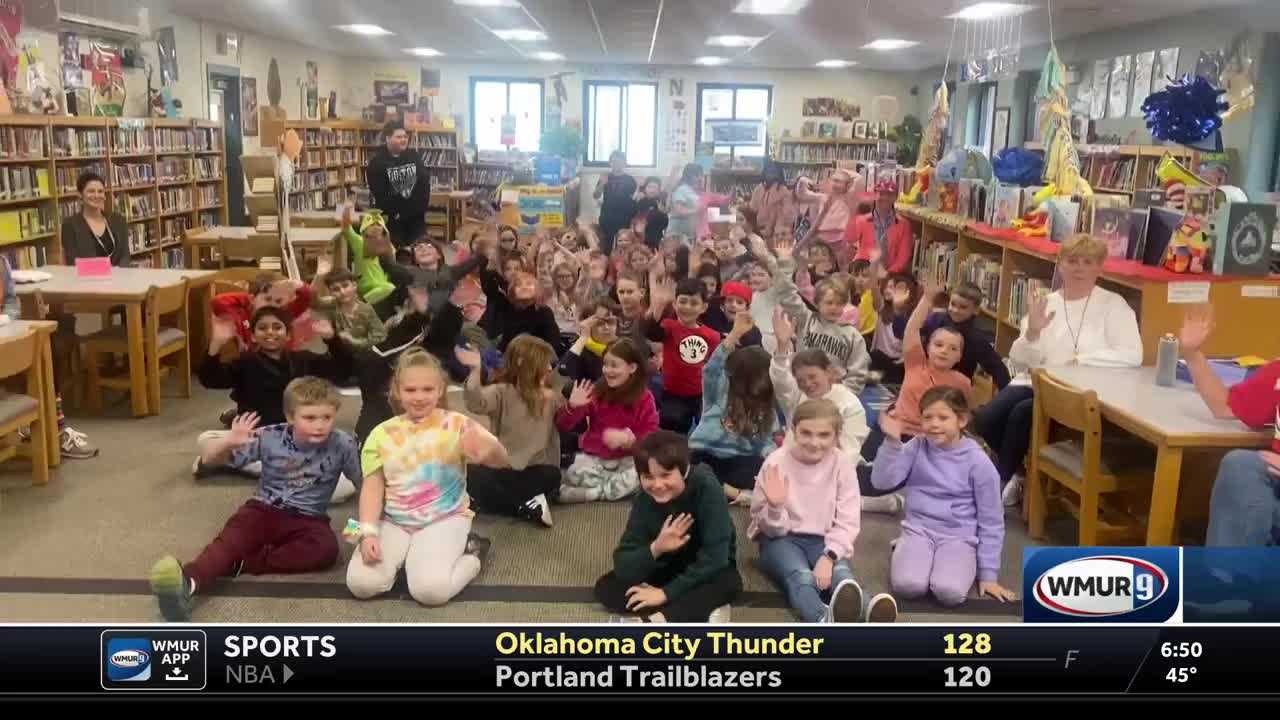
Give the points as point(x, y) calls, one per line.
point(306, 239)
point(48, 398)
point(127, 287)
point(1170, 418)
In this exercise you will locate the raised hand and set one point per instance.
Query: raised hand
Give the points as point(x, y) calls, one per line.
point(243, 429)
point(468, 356)
point(1039, 316)
point(784, 247)
point(775, 486)
point(1197, 325)
point(742, 324)
point(932, 289)
point(322, 327)
point(674, 534)
point(478, 446)
point(890, 425)
point(783, 329)
point(221, 331)
point(662, 293)
point(581, 395)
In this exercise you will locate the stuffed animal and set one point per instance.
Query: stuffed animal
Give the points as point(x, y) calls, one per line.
point(1188, 248)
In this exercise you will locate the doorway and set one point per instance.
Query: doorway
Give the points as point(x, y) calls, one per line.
point(224, 107)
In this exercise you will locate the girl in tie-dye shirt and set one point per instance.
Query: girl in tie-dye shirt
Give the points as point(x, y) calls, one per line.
point(414, 510)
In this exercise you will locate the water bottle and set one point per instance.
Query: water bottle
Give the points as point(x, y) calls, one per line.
point(1167, 361)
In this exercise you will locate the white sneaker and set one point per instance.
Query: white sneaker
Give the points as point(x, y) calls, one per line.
point(343, 490)
point(846, 603)
point(537, 510)
point(884, 504)
point(75, 444)
point(883, 609)
point(721, 615)
point(1011, 496)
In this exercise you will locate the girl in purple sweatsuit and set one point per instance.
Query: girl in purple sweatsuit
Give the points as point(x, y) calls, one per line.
point(954, 524)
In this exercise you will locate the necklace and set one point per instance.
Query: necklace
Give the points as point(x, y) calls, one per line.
point(1077, 332)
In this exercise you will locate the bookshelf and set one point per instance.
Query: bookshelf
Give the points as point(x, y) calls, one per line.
point(738, 182)
point(332, 162)
point(28, 205)
point(1124, 169)
point(439, 148)
point(826, 150)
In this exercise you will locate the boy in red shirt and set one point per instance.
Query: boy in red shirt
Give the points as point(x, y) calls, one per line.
point(1245, 504)
point(686, 346)
point(266, 288)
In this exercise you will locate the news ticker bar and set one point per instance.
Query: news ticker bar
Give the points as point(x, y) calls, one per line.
point(821, 660)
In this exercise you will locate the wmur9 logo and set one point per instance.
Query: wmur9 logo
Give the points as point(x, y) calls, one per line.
point(1127, 584)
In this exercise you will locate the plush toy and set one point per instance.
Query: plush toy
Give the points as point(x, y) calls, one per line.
point(1188, 248)
point(1035, 222)
point(916, 195)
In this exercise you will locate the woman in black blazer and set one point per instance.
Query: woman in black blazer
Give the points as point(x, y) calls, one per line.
point(94, 232)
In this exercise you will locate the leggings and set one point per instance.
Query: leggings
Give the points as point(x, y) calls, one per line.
point(924, 563)
point(504, 491)
point(739, 471)
point(1005, 424)
point(677, 413)
point(433, 559)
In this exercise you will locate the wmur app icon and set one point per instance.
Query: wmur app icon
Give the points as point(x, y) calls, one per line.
point(1099, 584)
point(128, 660)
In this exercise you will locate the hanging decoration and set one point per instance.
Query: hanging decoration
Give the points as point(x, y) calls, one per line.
point(931, 138)
point(1061, 161)
point(1188, 112)
point(992, 48)
point(1239, 73)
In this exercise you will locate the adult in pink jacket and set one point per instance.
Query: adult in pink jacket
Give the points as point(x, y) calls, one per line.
point(883, 229)
point(829, 211)
point(773, 204)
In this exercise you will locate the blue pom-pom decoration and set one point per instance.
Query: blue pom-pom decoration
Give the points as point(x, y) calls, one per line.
point(1186, 112)
point(1015, 166)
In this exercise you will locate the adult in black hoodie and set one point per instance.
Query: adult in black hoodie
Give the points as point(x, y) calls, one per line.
point(400, 183)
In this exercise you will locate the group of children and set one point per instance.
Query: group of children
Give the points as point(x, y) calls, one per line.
point(694, 374)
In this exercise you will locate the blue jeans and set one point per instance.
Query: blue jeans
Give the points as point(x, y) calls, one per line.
point(789, 561)
point(1245, 507)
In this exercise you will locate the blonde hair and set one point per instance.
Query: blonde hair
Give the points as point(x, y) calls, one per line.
point(308, 390)
point(528, 364)
point(411, 359)
point(832, 286)
point(818, 409)
point(1083, 245)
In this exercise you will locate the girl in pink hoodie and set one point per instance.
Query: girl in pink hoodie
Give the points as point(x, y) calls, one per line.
point(805, 513)
point(830, 211)
point(619, 410)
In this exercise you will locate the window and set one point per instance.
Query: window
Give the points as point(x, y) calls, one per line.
point(717, 101)
point(492, 98)
point(621, 116)
point(981, 116)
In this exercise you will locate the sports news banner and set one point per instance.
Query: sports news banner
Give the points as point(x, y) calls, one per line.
point(1114, 615)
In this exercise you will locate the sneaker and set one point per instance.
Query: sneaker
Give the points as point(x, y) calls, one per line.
point(846, 603)
point(537, 510)
point(478, 546)
point(75, 444)
point(1011, 496)
point(172, 588)
point(883, 609)
point(625, 619)
point(237, 568)
point(721, 615)
point(885, 504)
point(200, 470)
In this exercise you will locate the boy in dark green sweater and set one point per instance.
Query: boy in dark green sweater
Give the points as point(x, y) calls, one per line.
point(676, 559)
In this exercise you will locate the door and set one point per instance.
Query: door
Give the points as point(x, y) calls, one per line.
point(224, 106)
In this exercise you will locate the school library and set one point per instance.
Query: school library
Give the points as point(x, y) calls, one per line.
point(520, 311)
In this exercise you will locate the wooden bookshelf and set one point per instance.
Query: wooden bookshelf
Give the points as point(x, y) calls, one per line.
point(28, 209)
point(1149, 298)
point(821, 151)
point(1124, 169)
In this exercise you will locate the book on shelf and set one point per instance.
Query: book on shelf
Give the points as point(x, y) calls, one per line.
point(140, 237)
point(209, 218)
point(173, 169)
point(1006, 205)
point(130, 141)
point(175, 199)
point(1114, 173)
point(1111, 225)
point(27, 223)
point(208, 168)
point(18, 143)
point(333, 177)
point(26, 257)
point(1064, 219)
point(69, 207)
point(135, 205)
point(173, 140)
point(129, 175)
point(473, 175)
point(21, 182)
point(1243, 238)
point(1138, 220)
point(1150, 198)
point(209, 139)
point(939, 263)
point(437, 140)
point(171, 229)
point(1162, 223)
point(173, 258)
point(79, 142)
point(1023, 290)
point(207, 195)
point(66, 176)
point(983, 271)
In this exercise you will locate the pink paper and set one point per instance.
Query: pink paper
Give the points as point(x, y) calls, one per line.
point(98, 267)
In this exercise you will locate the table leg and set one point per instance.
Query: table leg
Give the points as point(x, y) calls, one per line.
point(137, 363)
point(49, 400)
point(1164, 496)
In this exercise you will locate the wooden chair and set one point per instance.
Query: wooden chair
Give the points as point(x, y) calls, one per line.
point(159, 341)
point(18, 357)
point(1099, 485)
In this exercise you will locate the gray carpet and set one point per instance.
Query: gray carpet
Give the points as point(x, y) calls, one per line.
point(79, 548)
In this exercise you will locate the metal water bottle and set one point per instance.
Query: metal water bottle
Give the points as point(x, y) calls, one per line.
point(1167, 361)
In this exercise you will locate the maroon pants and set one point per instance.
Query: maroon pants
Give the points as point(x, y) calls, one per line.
point(269, 540)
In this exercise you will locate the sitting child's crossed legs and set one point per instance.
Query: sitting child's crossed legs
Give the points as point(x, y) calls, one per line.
point(434, 560)
point(590, 478)
point(922, 564)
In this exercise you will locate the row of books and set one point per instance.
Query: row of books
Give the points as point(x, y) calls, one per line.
point(208, 139)
point(19, 182)
point(1023, 290)
point(209, 218)
point(208, 196)
point(130, 140)
point(334, 177)
point(438, 157)
point(172, 228)
point(173, 140)
point(332, 156)
point(135, 206)
point(79, 142)
point(307, 201)
point(939, 263)
point(486, 176)
point(435, 140)
point(346, 156)
point(811, 152)
point(25, 257)
point(443, 179)
point(334, 197)
point(984, 272)
point(208, 168)
point(67, 175)
point(170, 258)
point(315, 180)
point(141, 238)
point(173, 169)
point(175, 199)
point(351, 175)
point(70, 206)
point(27, 223)
point(17, 143)
point(344, 137)
point(371, 137)
point(1113, 173)
point(132, 175)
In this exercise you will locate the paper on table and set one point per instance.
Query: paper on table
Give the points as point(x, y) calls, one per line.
point(96, 267)
point(1188, 292)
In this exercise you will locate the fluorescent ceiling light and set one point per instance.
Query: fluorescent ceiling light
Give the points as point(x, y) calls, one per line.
point(521, 35)
point(423, 52)
point(487, 3)
point(989, 10)
point(835, 63)
point(363, 29)
point(710, 60)
point(889, 44)
point(770, 7)
point(733, 40)
point(548, 56)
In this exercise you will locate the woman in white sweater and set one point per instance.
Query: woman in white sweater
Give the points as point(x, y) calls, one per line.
point(1079, 324)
